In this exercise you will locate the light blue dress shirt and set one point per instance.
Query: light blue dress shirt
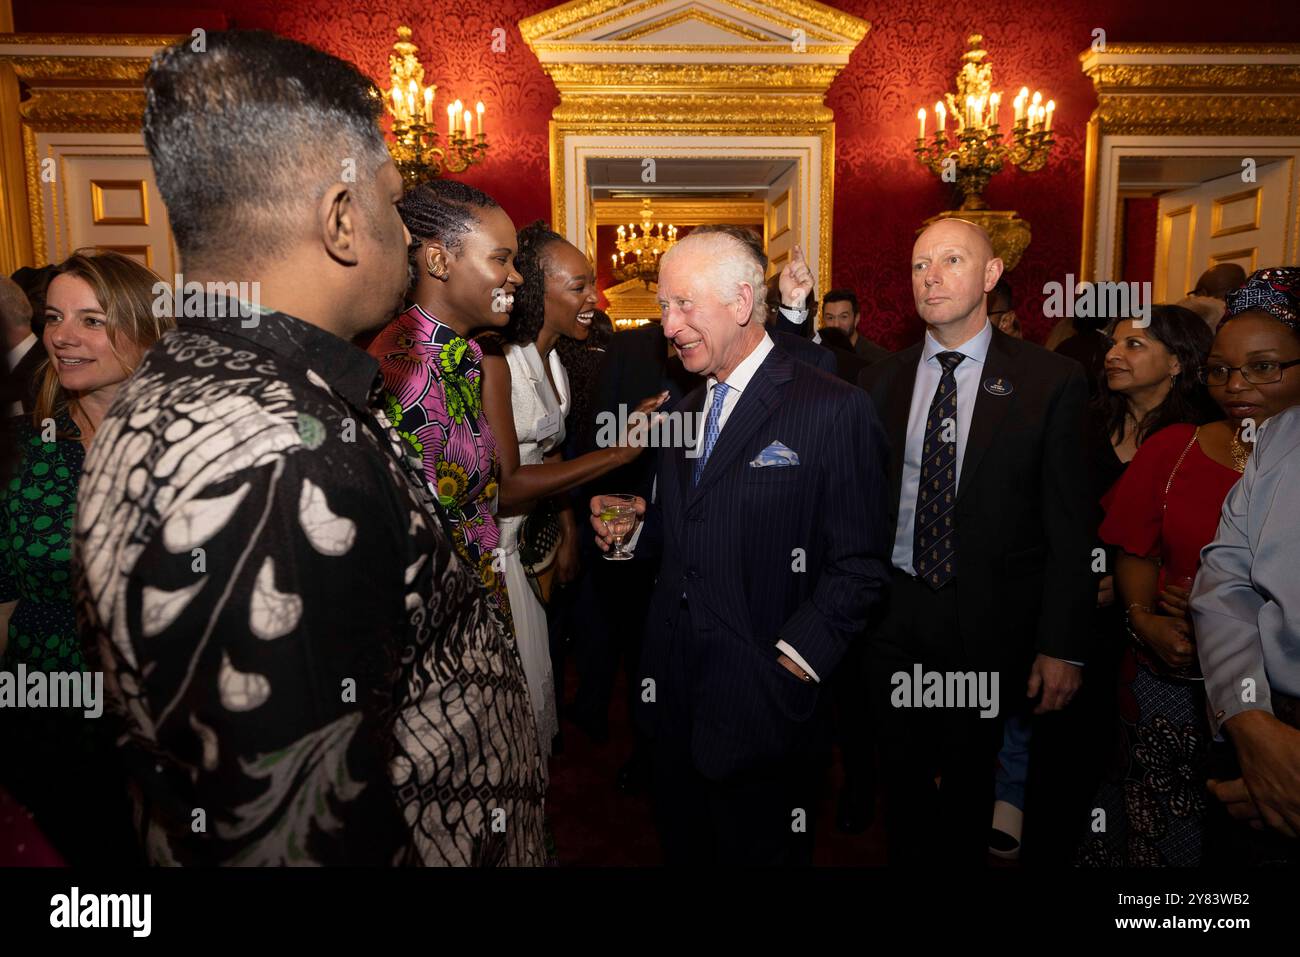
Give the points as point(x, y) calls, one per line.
point(969, 374)
point(1246, 599)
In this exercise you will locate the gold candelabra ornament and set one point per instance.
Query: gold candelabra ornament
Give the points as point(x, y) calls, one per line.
point(415, 146)
point(644, 247)
point(979, 147)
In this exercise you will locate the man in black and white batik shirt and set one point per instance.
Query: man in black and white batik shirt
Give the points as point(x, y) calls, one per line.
point(306, 671)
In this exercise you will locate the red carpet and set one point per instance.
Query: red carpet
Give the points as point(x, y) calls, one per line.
point(597, 826)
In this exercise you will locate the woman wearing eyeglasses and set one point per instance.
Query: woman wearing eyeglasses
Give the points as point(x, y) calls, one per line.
point(1159, 515)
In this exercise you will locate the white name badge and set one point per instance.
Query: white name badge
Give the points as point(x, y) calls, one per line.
point(548, 425)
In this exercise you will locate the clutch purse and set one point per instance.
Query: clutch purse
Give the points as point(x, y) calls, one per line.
point(539, 540)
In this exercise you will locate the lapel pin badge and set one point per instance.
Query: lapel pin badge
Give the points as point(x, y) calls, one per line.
point(995, 386)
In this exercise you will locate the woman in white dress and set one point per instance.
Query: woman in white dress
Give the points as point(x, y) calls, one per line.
point(526, 397)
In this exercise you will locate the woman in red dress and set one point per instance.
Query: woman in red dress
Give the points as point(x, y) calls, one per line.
point(1160, 514)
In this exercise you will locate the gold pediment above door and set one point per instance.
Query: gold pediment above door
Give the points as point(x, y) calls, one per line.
point(698, 31)
point(693, 26)
point(695, 81)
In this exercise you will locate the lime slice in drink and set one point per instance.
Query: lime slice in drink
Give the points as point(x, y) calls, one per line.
point(608, 515)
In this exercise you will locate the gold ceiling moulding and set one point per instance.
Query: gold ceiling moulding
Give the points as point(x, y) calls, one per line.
point(697, 78)
point(782, 47)
point(681, 212)
point(655, 113)
point(84, 111)
point(1209, 115)
point(88, 39)
point(71, 83)
point(1184, 89)
point(1197, 49)
point(1191, 77)
point(97, 70)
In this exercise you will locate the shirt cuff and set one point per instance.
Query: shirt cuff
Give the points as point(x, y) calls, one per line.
point(630, 545)
point(797, 316)
point(1231, 705)
point(793, 655)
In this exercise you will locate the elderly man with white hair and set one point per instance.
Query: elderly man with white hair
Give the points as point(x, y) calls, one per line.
point(773, 544)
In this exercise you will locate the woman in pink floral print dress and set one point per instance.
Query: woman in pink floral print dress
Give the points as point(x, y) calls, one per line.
point(464, 281)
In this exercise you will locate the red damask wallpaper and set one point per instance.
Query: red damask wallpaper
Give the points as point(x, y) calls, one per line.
point(908, 58)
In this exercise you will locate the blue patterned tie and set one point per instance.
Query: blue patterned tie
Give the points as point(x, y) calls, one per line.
point(712, 426)
point(932, 542)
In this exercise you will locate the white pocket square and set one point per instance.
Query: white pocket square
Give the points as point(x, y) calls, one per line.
point(775, 454)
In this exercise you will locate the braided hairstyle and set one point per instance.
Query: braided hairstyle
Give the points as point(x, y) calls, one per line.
point(529, 311)
point(442, 210)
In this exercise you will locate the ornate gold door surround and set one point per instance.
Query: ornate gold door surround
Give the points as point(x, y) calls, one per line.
point(1238, 101)
point(650, 79)
point(72, 160)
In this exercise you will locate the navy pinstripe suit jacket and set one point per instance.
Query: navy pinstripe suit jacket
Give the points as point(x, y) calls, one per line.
point(797, 553)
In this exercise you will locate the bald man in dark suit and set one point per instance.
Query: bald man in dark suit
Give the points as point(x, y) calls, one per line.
point(991, 553)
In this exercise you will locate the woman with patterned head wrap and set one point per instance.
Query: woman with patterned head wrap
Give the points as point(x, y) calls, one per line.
point(1160, 515)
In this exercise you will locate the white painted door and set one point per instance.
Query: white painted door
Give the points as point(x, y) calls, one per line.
point(1223, 220)
point(98, 190)
point(782, 220)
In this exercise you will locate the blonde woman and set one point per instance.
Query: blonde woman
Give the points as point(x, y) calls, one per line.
point(98, 323)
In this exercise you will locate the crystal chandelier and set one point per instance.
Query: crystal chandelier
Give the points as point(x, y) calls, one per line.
point(415, 146)
point(638, 253)
point(979, 148)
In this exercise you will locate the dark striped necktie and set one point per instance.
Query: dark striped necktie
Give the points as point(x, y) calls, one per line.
point(933, 545)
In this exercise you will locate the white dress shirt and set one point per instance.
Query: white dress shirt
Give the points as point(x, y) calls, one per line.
point(737, 383)
point(969, 374)
point(17, 353)
point(797, 316)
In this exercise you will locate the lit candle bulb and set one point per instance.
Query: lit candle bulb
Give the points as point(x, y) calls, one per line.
point(410, 106)
point(1051, 108)
point(469, 118)
point(920, 115)
point(457, 107)
point(995, 101)
point(1035, 109)
point(397, 99)
point(428, 105)
point(479, 110)
point(941, 115)
point(970, 110)
point(614, 260)
point(451, 120)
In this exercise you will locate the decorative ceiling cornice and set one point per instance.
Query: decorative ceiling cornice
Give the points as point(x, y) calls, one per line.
point(1195, 89)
